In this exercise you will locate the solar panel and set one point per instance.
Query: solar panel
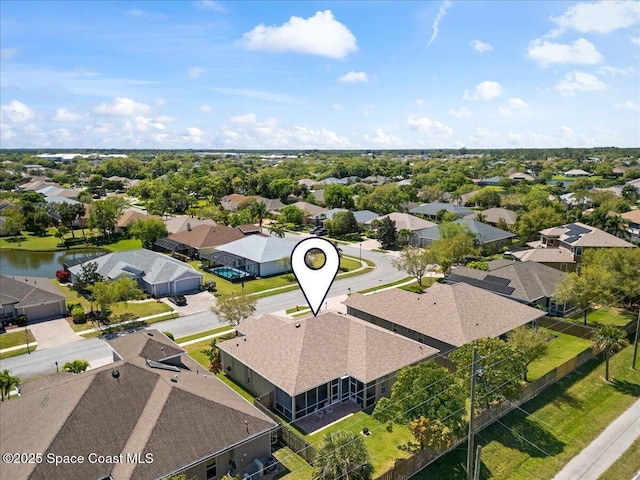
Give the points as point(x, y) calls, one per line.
point(573, 229)
point(572, 239)
point(498, 280)
point(493, 287)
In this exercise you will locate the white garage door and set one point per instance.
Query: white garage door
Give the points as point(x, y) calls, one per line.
point(38, 312)
point(184, 285)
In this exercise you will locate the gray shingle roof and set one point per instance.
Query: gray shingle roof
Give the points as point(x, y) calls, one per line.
point(321, 349)
point(454, 314)
point(157, 267)
point(484, 233)
point(26, 291)
point(493, 215)
point(433, 208)
point(258, 248)
point(406, 221)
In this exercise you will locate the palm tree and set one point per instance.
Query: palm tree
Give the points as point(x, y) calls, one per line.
point(609, 339)
point(277, 229)
point(259, 211)
point(7, 382)
point(480, 217)
point(76, 366)
point(343, 455)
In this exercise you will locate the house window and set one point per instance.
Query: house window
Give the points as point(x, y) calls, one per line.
point(394, 328)
point(421, 338)
point(212, 471)
point(383, 386)
point(247, 374)
point(578, 251)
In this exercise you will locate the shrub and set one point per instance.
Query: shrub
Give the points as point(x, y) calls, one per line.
point(21, 320)
point(78, 315)
point(71, 306)
point(63, 276)
point(170, 335)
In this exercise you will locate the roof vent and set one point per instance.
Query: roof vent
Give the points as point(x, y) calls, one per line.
point(297, 325)
point(150, 334)
point(174, 380)
point(115, 373)
point(188, 227)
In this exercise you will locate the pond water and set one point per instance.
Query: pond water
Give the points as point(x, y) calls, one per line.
point(39, 264)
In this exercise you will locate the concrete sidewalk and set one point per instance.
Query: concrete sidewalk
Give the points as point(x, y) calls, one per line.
point(606, 449)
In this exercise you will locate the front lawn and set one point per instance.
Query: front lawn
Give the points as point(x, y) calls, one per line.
point(15, 338)
point(20, 351)
point(562, 348)
point(626, 466)
point(206, 333)
point(383, 446)
point(557, 425)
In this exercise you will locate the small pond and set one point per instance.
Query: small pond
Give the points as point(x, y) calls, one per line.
point(39, 264)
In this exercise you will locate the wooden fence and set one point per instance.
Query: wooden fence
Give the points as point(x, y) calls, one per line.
point(407, 467)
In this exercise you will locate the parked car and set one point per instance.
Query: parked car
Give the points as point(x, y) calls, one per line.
point(178, 299)
point(318, 231)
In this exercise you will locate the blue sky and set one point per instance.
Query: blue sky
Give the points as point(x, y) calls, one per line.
point(335, 75)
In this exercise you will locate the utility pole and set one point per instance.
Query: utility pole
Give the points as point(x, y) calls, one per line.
point(635, 344)
point(474, 368)
point(476, 472)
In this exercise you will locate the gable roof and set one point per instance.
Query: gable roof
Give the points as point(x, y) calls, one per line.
point(632, 216)
point(545, 255)
point(203, 236)
point(319, 349)
point(484, 233)
point(140, 410)
point(454, 314)
point(493, 215)
point(309, 208)
point(148, 344)
point(527, 281)
point(405, 221)
point(580, 235)
point(259, 248)
point(130, 216)
point(155, 267)
point(577, 171)
point(27, 291)
point(364, 216)
point(433, 208)
point(182, 223)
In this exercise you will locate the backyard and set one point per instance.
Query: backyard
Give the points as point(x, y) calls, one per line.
point(49, 243)
point(562, 348)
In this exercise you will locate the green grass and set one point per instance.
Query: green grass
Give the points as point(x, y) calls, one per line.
point(612, 316)
point(20, 351)
point(122, 245)
point(626, 466)
point(49, 243)
point(226, 328)
point(561, 349)
point(132, 311)
point(383, 446)
point(15, 338)
point(386, 285)
point(237, 388)
point(561, 420)
point(297, 468)
point(415, 288)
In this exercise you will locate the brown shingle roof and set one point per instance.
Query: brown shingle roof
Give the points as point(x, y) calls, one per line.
point(454, 314)
point(320, 349)
point(632, 216)
point(130, 216)
point(204, 236)
point(586, 236)
point(147, 344)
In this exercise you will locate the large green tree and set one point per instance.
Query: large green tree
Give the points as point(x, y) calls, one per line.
point(149, 231)
point(342, 456)
point(342, 223)
point(416, 262)
point(385, 232)
point(385, 199)
point(609, 339)
point(235, 309)
point(338, 196)
point(105, 214)
point(530, 223)
point(532, 343)
point(292, 214)
point(455, 243)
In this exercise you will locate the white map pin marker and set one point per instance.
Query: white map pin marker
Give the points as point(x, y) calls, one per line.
point(315, 282)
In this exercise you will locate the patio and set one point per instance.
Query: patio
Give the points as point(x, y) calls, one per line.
point(324, 417)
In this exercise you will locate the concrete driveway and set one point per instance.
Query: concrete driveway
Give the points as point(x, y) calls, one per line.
point(53, 333)
point(196, 303)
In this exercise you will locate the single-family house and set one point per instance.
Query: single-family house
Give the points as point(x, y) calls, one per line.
point(308, 182)
point(571, 200)
point(251, 256)
point(494, 216)
point(36, 298)
point(231, 202)
point(490, 181)
point(445, 317)
point(156, 273)
point(138, 417)
point(527, 282)
point(312, 363)
point(182, 223)
point(521, 177)
point(488, 237)
point(632, 219)
point(130, 216)
point(200, 240)
point(576, 172)
point(404, 221)
point(37, 183)
point(431, 210)
point(310, 210)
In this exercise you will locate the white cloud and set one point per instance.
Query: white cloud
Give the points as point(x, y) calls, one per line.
point(564, 131)
point(123, 107)
point(482, 132)
point(420, 102)
point(462, 112)
point(581, 51)
point(210, 5)
point(165, 119)
point(634, 40)
point(8, 53)
point(433, 128)
point(204, 109)
point(480, 46)
point(195, 72)
point(629, 105)
point(245, 119)
point(609, 70)
point(17, 112)
point(382, 139)
point(436, 23)
point(260, 95)
point(320, 35)
point(515, 103)
point(486, 90)
point(599, 17)
point(354, 77)
point(579, 82)
point(64, 115)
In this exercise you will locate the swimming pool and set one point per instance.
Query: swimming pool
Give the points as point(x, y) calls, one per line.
point(232, 274)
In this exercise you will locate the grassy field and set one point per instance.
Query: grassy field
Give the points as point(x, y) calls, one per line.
point(226, 328)
point(626, 466)
point(562, 348)
point(612, 316)
point(15, 338)
point(49, 243)
point(20, 351)
point(297, 468)
point(383, 446)
point(557, 425)
point(135, 324)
